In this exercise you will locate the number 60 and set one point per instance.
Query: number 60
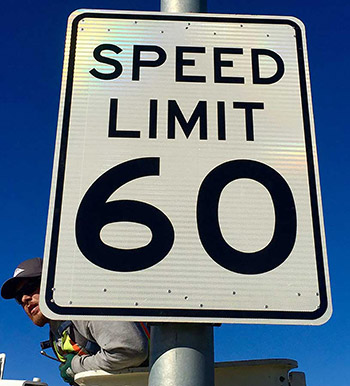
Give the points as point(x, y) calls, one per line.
point(95, 212)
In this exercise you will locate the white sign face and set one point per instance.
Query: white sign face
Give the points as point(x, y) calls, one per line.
point(185, 184)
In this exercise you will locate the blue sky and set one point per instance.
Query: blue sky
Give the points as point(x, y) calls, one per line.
point(32, 43)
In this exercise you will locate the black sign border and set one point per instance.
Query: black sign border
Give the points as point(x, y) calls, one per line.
point(143, 313)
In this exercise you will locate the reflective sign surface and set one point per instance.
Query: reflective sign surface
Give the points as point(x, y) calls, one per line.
point(185, 184)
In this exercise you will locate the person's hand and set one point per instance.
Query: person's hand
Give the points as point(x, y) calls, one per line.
point(66, 370)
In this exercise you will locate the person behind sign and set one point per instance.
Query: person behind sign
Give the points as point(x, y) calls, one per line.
point(78, 345)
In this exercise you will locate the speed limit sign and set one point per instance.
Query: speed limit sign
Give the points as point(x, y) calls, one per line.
point(185, 183)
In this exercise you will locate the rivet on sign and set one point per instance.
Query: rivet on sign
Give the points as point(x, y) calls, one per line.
point(161, 32)
point(136, 304)
point(268, 35)
point(81, 29)
point(135, 22)
point(299, 294)
point(52, 301)
point(169, 291)
point(214, 33)
point(201, 305)
point(104, 289)
point(186, 297)
point(317, 294)
point(186, 27)
point(109, 30)
point(70, 302)
point(53, 289)
point(233, 292)
point(266, 306)
point(241, 25)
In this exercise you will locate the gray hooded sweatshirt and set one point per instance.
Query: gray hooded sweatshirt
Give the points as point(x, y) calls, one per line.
point(122, 345)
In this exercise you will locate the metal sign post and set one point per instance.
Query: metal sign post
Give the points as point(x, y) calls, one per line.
point(183, 6)
point(182, 354)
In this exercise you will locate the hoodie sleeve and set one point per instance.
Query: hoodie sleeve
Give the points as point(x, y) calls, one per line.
point(122, 345)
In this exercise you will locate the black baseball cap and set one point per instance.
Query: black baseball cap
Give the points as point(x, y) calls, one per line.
point(27, 269)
